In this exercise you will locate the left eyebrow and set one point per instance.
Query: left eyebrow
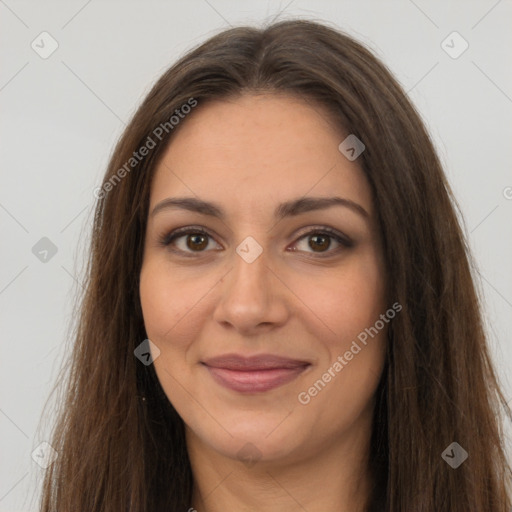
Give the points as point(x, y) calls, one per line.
point(308, 204)
point(287, 209)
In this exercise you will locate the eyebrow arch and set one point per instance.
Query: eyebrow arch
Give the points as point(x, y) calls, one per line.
point(286, 209)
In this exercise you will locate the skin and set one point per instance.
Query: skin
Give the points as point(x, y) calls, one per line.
point(248, 154)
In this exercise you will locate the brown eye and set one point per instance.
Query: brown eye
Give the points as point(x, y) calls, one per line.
point(321, 242)
point(187, 240)
point(197, 241)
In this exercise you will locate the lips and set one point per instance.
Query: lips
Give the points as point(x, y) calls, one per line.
point(254, 374)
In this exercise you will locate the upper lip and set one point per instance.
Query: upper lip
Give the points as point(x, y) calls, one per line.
point(252, 363)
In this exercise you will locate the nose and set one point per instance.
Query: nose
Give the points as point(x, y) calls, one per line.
point(252, 296)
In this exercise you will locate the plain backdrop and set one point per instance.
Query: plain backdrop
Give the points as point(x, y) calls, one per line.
point(61, 116)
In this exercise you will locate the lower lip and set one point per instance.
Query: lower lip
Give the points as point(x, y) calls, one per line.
point(255, 381)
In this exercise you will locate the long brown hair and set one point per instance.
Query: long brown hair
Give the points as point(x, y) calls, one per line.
point(120, 441)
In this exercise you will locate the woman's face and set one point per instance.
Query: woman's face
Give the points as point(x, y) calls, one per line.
point(265, 280)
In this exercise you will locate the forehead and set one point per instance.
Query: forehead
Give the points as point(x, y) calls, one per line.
point(255, 150)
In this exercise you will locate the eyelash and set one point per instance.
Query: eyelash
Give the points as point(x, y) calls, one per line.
point(168, 238)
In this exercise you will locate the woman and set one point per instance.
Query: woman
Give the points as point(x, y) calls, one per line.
point(280, 312)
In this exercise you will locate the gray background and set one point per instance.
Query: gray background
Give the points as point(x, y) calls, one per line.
point(62, 115)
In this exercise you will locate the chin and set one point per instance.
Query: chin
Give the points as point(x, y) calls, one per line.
point(255, 438)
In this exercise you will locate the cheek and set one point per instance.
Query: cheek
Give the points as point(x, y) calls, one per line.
point(164, 301)
point(347, 301)
point(354, 351)
point(175, 306)
point(352, 306)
